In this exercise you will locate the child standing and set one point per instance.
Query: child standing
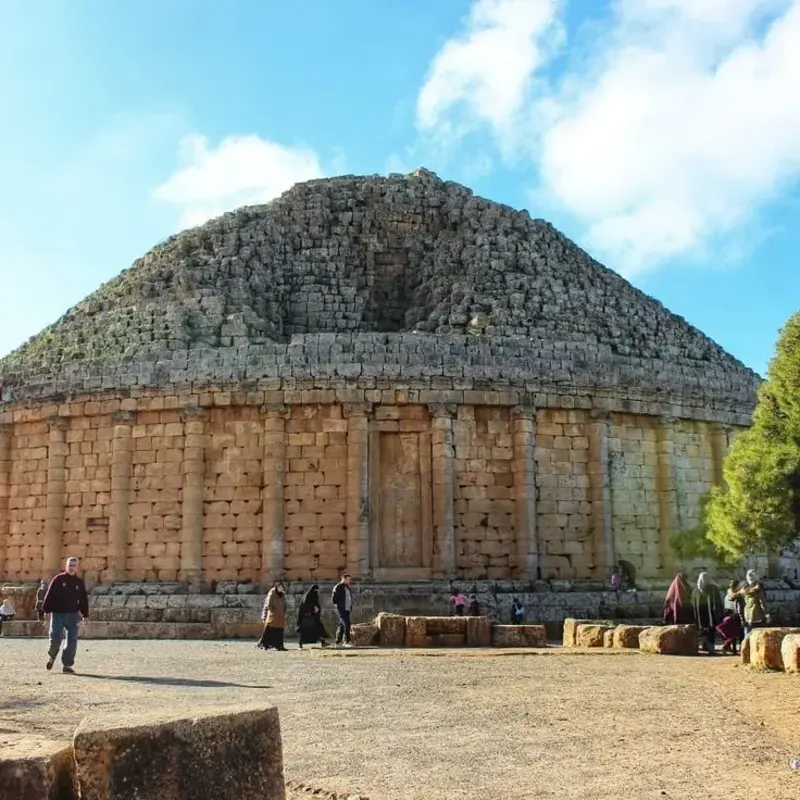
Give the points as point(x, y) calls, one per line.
point(459, 601)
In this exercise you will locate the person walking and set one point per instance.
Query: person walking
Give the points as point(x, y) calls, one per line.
point(40, 595)
point(274, 615)
point(707, 605)
point(309, 619)
point(459, 602)
point(67, 604)
point(342, 599)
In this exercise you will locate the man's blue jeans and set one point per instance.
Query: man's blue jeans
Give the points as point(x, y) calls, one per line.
point(58, 624)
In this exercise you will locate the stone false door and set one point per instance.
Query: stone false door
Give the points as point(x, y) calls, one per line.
point(401, 520)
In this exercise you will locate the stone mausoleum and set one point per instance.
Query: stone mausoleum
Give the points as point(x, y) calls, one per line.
point(384, 375)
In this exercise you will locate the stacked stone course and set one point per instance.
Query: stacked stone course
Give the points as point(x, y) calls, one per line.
point(387, 376)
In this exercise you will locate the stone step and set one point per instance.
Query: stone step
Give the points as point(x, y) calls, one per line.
point(141, 630)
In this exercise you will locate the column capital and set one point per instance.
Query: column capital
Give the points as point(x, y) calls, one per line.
point(524, 412)
point(123, 417)
point(275, 410)
point(356, 410)
point(443, 409)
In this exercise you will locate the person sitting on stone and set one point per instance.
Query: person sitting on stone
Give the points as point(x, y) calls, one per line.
point(6, 612)
point(309, 619)
point(677, 603)
point(459, 602)
point(707, 605)
point(474, 607)
point(517, 612)
point(274, 615)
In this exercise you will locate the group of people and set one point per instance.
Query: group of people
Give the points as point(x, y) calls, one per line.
point(310, 628)
point(461, 604)
point(731, 617)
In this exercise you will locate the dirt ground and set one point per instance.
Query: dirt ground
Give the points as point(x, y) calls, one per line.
point(396, 725)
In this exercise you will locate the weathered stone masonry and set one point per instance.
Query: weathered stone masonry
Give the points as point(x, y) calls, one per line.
point(387, 376)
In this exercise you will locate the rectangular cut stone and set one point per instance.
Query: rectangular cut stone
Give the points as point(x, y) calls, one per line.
point(590, 635)
point(415, 631)
point(790, 652)
point(235, 754)
point(765, 647)
point(478, 631)
point(626, 637)
point(32, 768)
point(392, 629)
point(519, 636)
point(670, 640)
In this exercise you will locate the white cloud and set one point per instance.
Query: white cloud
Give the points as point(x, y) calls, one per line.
point(680, 124)
point(484, 75)
point(241, 170)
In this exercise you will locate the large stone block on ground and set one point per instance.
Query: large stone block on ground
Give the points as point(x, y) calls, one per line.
point(448, 626)
point(364, 634)
point(416, 631)
point(608, 639)
point(626, 637)
point(570, 629)
point(32, 768)
point(478, 631)
point(392, 629)
point(224, 755)
point(669, 640)
point(790, 652)
point(744, 652)
point(519, 636)
point(765, 647)
point(23, 598)
point(590, 635)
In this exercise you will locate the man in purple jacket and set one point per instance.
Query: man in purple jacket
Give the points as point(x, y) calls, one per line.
point(67, 603)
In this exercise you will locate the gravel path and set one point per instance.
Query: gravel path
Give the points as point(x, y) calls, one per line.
point(397, 725)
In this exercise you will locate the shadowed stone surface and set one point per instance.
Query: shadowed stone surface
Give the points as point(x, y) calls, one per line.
point(225, 755)
point(32, 768)
point(519, 636)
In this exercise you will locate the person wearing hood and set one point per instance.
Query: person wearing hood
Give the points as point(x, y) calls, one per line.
point(309, 619)
point(707, 605)
point(274, 615)
point(677, 602)
point(755, 606)
point(6, 612)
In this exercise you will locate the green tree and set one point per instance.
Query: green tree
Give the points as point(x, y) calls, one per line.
point(758, 510)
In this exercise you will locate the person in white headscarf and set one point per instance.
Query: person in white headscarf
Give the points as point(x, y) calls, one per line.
point(707, 604)
point(755, 606)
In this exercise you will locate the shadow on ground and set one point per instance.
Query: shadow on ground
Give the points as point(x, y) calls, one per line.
point(175, 681)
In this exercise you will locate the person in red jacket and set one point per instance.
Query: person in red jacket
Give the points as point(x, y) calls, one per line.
point(67, 604)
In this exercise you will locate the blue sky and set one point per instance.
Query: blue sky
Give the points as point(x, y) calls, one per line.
point(661, 135)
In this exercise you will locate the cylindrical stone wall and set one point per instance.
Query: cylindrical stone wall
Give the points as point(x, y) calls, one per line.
point(307, 485)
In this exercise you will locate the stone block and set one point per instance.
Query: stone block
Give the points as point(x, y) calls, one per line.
point(32, 768)
point(435, 626)
point(790, 652)
point(365, 634)
point(519, 636)
point(478, 632)
point(415, 631)
point(590, 635)
point(671, 640)
point(765, 647)
point(626, 637)
point(744, 652)
point(571, 628)
point(392, 628)
point(226, 754)
point(608, 639)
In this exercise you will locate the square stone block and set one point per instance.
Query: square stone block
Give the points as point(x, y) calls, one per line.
point(416, 631)
point(365, 634)
point(790, 652)
point(626, 637)
point(392, 629)
point(226, 755)
point(478, 631)
point(671, 640)
point(590, 635)
point(36, 769)
point(765, 647)
point(519, 636)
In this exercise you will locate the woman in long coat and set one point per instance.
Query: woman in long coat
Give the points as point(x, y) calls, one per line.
point(707, 604)
point(309, 619)
point(274, 615)
point(677, 603)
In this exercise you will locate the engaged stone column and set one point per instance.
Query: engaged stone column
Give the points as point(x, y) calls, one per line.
point(5, 491)
point(57, 451)
point(193, 491)
point(666, 488)
point(358, 515)
point(442, 453)
point(273, 494)
point(523, 426)
point(600, 524)
point(119, 516)
point(719, 449)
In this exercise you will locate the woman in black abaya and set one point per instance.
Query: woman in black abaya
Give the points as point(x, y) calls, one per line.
point(309, 619)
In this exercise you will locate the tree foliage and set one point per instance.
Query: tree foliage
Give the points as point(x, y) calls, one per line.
point(758, 509)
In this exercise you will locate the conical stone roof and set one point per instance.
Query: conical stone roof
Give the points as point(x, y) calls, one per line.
point(397, 277)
